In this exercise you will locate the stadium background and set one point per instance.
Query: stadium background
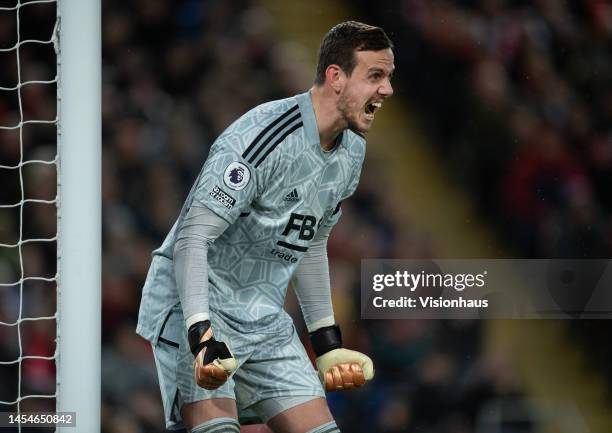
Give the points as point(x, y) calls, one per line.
point(498, 143)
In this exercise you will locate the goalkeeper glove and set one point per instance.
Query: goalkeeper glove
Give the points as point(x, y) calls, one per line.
point(339, 368)
point(213, 360)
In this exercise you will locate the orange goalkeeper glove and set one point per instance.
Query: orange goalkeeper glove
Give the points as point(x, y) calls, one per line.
point(214, 363)
point(339, 369)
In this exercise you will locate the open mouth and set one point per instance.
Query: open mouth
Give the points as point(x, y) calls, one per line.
point(372, 108)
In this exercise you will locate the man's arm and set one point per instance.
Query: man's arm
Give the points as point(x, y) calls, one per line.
point(200, 228)
point(338, 368)
point(213, 360)
point(312, 286)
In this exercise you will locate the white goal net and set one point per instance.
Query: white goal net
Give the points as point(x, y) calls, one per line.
point(50, 209)
point(28, 199)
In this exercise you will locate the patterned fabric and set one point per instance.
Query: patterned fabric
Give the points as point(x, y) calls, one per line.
point(268, 176)
point(272, 364)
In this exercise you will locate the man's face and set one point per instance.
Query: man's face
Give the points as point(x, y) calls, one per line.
point(366, 88)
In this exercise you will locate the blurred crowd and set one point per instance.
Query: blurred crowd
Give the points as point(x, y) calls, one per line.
point(515, 95)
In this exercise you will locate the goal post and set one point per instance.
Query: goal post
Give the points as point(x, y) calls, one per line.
point(79, 213)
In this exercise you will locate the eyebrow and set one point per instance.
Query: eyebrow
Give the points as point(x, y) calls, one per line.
point(377, 69)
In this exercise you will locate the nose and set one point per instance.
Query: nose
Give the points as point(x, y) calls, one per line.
point(386, 90)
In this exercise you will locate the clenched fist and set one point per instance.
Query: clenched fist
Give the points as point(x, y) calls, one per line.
point(214, 363)
point(342, 369)
point(339, 368)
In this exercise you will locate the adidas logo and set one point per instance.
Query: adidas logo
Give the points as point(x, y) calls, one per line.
point(292, 196)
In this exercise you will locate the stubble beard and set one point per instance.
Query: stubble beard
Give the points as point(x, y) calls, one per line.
point(351, 120)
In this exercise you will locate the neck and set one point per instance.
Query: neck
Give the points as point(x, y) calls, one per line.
point(329, 120)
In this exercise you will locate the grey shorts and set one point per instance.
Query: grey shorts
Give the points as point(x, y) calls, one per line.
point(274, 372)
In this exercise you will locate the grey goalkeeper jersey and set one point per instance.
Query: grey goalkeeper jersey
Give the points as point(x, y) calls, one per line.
point(269, 178)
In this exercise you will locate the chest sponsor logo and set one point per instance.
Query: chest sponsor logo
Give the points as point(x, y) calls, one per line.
point(306, 225)
point(222, 197)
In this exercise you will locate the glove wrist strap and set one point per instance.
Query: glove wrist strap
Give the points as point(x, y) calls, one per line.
point(325, 339)
point(194, 335)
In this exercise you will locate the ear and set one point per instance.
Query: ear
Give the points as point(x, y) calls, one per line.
point(335, 77)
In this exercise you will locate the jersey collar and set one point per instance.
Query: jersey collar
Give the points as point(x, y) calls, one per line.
point(309, 119)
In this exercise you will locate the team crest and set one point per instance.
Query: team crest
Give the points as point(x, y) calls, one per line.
point(236, 176)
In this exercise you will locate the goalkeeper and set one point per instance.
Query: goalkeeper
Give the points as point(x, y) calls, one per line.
point(258, 216)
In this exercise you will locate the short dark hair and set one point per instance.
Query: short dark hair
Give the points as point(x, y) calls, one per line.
point(340, 43)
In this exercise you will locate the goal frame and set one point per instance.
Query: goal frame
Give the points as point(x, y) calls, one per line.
point(79, 213)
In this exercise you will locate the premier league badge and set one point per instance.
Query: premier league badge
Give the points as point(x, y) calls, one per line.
point(236, 176)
